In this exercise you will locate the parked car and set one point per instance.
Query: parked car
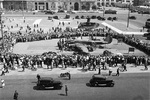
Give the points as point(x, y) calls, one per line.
point(48, 82)
point(77, 17)
point(49, 12)
point(143, 12)
point(101, 18)
point(50, 18)
point(109, 18)
point(115, 18)
point(133, 10)
point(110, 11)
point(147, 23)
point(93, 17)
point(146, 34)
point(99, 80)
point(82, 17)
point(61, 11)
point(55, 17)
point(132, 17)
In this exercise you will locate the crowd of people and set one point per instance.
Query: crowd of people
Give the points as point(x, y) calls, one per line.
point(52, 60)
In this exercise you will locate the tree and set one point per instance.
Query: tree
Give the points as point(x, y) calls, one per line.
point(83, 7)
point(98, 4)
point(94, 7)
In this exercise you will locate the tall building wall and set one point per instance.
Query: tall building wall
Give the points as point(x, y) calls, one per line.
point(52, 4)
point(140, 2)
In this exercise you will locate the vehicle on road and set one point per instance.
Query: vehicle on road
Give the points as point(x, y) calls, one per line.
point(132, 17)
point(48, 82)
point(99, 80)
point(49, 12)
point(147, 23)
point(110, 11)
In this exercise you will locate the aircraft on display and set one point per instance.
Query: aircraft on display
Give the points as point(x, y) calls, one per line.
point(88, 45)
point(92, 41)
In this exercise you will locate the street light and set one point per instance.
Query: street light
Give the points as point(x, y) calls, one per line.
point(103, 8)
point(23, 10)
point(128, 16)
point(1, 23)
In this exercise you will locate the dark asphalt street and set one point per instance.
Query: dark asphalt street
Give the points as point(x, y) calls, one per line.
point(127, 87)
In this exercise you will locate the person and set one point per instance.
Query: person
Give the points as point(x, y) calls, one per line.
point(66, 90)
point(110, 72)
point(69, 75)
point(16, 95)
point(99, 71)
point(2, 83)
point(118, 73)
point(3, 72)
point(38, 77)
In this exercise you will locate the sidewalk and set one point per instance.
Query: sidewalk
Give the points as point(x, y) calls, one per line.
point(120, 31)
point(56, 71)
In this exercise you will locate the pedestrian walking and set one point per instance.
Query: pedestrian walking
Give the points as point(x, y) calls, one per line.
point(3, 72)
point(69, 75)
point(16, 95)
point(99, 71)
point(110, 72)
point(66, 90)
point(118, 73)
point(38, 77)
point(2, 83)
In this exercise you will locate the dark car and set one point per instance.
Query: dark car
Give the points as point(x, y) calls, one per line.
point(115, 18)
point(77, 17)
point(109, 18)
point(132, 17)
point(55, 17)
point(93, 17)
point(147, 23)
point(110, 11)
point(133, 10)
point(49, 12)
point(146, 34)
point(99, 80)
point(61, 11)
point(48, 82)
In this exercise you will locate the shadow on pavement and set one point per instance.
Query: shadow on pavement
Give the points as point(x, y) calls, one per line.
point(88, 85)
point(83, 70)
point(44, 89)
point(62, 94)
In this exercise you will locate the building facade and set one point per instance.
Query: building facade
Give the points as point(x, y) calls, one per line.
point(53, 4)
point(140, 2)
point(105, 2)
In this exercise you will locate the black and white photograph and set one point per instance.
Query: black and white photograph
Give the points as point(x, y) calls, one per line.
point(74, 49)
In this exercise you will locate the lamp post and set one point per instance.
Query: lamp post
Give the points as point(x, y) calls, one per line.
point(1, 23)
point(103, 8)
point(23, 10)
point(128, 16)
